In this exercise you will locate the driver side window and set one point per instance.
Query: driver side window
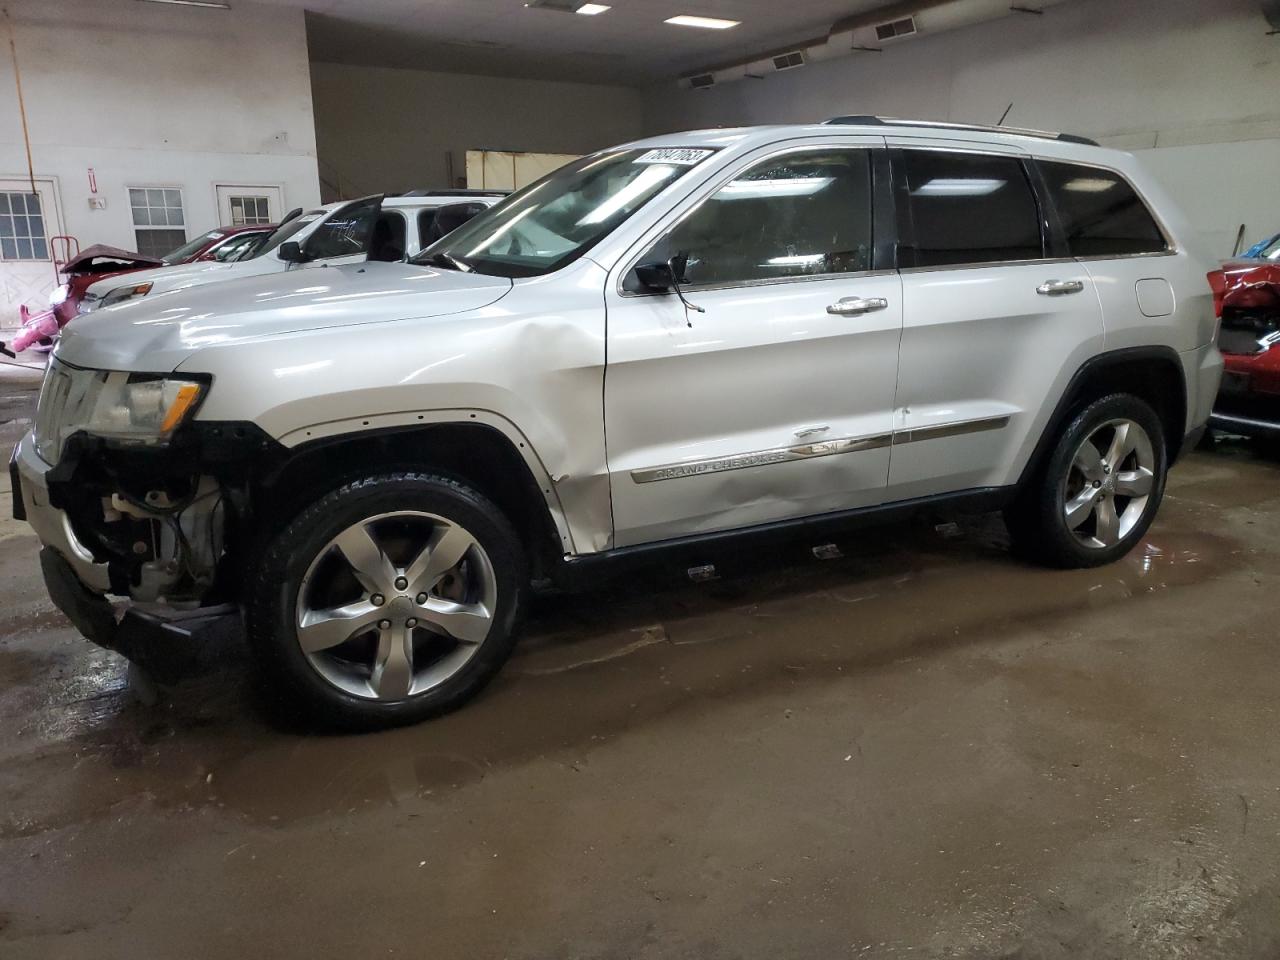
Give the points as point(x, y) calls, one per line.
point(345, 233)
point(804, 214)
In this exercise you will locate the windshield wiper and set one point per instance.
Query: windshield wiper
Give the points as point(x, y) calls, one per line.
point(447, 260)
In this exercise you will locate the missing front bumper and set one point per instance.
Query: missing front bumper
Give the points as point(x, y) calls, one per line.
point(169, 647)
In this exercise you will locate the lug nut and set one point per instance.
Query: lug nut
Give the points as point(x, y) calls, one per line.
point(1106, 468)
point(377, 599)
point(1097, 483)
point(384, 624)
point(411, 622)
point(401, 583)
point(421, 599)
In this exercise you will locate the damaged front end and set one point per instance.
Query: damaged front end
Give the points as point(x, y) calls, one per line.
point(133, 498)
point(1248, 401)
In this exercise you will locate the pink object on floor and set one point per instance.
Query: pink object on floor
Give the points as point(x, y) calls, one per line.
point(34, 326)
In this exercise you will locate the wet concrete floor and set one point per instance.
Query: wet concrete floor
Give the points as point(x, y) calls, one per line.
point(920, 748)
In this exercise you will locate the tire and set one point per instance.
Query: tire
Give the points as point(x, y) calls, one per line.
point(1084, 507)
point(365, 561)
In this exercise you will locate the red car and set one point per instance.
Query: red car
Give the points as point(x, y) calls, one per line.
point(99, 261)
point(1247, 296)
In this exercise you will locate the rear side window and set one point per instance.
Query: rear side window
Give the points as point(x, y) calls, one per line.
point(970, 208)
point(1101, 214)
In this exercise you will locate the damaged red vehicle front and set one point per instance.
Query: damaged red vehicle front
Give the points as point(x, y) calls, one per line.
point(1247, 296)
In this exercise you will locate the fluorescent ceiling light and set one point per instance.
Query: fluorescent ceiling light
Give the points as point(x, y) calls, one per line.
point(1088, 185)
point(944, 187)
point(214, 4)
point(782, 187)
point(591, 9)
point(709, 23)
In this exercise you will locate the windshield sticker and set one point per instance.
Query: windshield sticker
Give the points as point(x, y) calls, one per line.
point(680, 156)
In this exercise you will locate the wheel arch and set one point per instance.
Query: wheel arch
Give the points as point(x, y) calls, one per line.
point(1153, 374)
point(475, 450)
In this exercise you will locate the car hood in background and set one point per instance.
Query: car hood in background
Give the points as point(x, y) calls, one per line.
point(158, 332)
point(129, 258)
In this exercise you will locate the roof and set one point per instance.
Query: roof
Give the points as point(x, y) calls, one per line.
point(741, 139)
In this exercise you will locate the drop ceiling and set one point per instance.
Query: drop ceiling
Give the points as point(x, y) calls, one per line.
point(629, 44)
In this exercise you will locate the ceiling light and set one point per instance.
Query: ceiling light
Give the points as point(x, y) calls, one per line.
point(591, 9)
point(214, 4)
point(958, 187)
point(710, 23)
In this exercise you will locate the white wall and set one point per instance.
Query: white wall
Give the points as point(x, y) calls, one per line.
point(150, 94)
point(1190, 85)
point(385, 130)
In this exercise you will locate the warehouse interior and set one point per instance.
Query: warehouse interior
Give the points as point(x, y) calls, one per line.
point(897, 741)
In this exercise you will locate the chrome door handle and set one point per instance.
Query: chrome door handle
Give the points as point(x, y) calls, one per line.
point(1058, 288)
point(853, 306)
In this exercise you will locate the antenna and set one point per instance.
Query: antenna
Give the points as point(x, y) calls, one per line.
point(1005, 115)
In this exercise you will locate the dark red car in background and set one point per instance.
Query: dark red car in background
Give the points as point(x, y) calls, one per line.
point(98, 261)
point(1247, 296)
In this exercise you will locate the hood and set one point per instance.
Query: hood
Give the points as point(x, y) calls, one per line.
point(159, 332)
point(129, 258)
point(172, 277)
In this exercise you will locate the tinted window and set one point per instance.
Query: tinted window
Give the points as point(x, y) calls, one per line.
point(806, 214)
point(968, 208)
point(1101, 215)
point(346, 232)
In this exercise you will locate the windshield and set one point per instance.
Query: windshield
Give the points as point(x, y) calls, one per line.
point(551, 223)
point(286, 231)
point(191, 247)
point(1271, 251)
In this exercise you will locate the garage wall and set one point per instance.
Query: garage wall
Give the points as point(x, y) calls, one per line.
point(1190, 85)
point(385, 130)
point(150, 95)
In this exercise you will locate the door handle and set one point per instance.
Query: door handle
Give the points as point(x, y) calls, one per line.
point(1059, 288)
point(853, 306)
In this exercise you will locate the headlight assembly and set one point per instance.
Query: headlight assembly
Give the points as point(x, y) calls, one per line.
point(128, 408)
point(121, 294)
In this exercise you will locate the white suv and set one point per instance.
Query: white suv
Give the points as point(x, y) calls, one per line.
point(371, 228)
point(660, 347)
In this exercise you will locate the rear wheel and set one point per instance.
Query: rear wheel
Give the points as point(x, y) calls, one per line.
point(389, 600)
point(1099, 490)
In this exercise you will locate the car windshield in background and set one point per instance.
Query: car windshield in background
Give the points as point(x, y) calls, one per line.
point(1271, 251)
point(191, 247)
point(551, 223)
point(285, 231)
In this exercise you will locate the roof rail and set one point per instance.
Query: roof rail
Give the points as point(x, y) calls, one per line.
point(868, 121)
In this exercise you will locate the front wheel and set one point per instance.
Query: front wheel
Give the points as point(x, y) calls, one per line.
point(387, 601)
point(1098, 493)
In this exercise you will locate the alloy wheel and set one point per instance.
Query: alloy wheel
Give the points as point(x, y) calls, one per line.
point(1109, 483)
point(395, 605)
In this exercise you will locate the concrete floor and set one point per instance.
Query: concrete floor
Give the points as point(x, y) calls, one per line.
point(920, 749)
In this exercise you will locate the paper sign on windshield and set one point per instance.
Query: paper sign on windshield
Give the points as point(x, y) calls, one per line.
point(680, 156)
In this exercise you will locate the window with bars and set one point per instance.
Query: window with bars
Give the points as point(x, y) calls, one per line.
point(22, 235)
point(246, 211)
point(158, 224)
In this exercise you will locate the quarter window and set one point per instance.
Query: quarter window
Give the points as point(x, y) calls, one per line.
point(158, 223)
point(805, 214)
point(1101, 214)
point(22, 235)
point(970, 208)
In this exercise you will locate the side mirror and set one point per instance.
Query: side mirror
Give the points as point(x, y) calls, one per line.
point(655, 277)
point(660, 277)
point(291, 252)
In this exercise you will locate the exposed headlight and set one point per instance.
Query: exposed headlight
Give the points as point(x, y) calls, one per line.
point(129, 408)
point(121, 294)
point(59, 296)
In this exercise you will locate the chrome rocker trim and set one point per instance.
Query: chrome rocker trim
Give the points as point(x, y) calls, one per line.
point(808, 451)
